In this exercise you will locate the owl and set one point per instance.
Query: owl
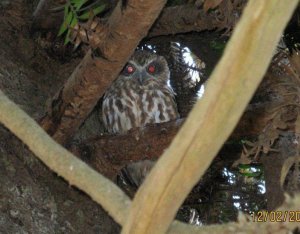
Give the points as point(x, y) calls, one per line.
point(140, 95)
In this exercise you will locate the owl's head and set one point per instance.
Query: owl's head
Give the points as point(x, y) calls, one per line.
point(146, 68)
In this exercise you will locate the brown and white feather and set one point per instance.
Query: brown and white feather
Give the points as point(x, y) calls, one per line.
point(128, 103)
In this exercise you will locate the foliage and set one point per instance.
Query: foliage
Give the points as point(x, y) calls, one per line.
point(284, 115)
point(250, 170)
point(76, 11)
point(230, 88)
point(217, 45)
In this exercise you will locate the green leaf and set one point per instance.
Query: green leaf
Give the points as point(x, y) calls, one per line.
point(217, 45)
point(66, 11)
point(67, 19)
point(85, 15)
point(93, 12)
point(75, 2)
point(67, 39)
point(74, 22)
point(78, 3)
point(62, 29)
point(72, 25)
point(250, 170)
point(99, 9)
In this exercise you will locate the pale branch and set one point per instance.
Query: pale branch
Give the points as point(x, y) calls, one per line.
point(213, 118)
point(58, 159)
point(103, 191)
point(66, 165)
point(118, 39)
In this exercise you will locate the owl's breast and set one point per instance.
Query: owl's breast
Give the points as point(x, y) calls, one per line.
point(127, 108)
point(121, 110)
point(159, 106)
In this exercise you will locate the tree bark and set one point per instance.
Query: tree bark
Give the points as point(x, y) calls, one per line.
point(138, 144)
point(179, 19)
point(104, 192)
point(172, 20)
point(117, 41)
point(44, 18)
point(151, 141)
point(213, 118)
point(186, 18)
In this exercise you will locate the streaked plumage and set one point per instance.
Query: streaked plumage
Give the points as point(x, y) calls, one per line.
point(140, 95)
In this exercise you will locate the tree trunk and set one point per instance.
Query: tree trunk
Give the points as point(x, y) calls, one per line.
point(119, 37)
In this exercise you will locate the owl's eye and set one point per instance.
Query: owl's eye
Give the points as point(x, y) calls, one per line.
point(130, 69)
point(151, 69)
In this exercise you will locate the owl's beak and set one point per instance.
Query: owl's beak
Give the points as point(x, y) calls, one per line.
point(141, 78)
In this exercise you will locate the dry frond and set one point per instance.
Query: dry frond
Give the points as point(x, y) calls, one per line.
point(285, 68)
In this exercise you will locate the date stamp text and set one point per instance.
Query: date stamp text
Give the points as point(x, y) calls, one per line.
point(276, 216)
